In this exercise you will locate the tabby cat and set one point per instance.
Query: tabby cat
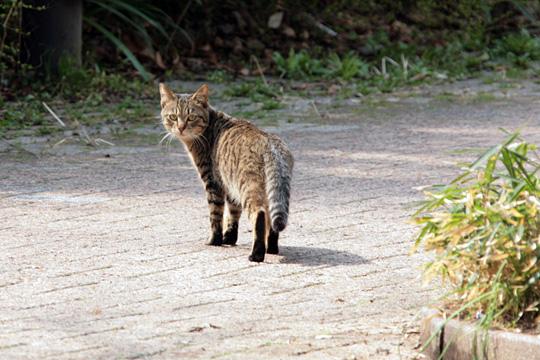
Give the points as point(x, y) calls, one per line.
point(239, 164)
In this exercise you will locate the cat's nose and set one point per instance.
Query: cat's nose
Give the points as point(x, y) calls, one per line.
point(182, 128)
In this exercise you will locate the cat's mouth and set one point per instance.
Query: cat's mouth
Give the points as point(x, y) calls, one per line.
point(181, 132)
point(182, 128)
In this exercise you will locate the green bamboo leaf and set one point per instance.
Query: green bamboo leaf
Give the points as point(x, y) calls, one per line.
point(137, 26)
point(135, 11)
point(508, 162)
point(517, 190)
point(122, 47)
point(481, 161)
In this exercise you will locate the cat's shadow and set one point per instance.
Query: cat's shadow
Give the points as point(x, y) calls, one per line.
point(315, 256)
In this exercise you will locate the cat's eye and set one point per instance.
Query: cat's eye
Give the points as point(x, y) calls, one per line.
point(171, 117)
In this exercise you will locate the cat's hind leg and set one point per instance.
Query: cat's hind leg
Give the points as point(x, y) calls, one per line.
point(259, 246)
point(255, 205)
point(272, 242)
point(233, 216)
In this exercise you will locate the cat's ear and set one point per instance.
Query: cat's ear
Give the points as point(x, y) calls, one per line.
point(201, 95)
point(166, 94)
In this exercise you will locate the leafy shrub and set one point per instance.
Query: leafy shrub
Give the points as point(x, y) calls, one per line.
point(10, 35)
point(519, 48)
point(484, 231)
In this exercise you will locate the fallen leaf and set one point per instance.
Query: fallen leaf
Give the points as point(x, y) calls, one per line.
point(274, 21)
point(289, 31)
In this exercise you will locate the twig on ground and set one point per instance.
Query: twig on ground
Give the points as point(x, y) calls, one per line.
point(53, 114)
point(100, 140)
point(316, 110)
point(82, 130)
point(59, 142)
point(261, 73)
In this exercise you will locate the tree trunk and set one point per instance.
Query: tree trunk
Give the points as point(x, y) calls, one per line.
point(52, 33)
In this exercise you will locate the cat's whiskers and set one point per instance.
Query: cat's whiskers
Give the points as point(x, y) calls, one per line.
point(165, 137)
point(166, 140)
point(169, 141)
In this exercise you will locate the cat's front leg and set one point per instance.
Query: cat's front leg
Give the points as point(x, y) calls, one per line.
point(215, 197)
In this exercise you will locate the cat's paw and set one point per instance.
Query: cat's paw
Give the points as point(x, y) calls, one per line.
point(230, 237)
point(272, 249)
point(215, 240)
point(256, 257)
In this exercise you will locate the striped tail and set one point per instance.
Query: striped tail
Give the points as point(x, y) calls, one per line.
point(278, 171)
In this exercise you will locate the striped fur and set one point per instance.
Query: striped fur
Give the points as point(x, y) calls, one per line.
point(278, 172)
point(240, 165)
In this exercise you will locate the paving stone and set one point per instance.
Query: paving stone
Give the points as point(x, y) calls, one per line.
point(103, 257)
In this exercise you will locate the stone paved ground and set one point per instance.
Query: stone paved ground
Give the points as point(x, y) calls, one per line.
point(103, 257)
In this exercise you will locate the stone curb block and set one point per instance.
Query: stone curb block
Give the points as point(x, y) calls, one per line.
point(460, 338)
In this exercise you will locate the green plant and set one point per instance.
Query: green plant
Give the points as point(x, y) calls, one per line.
point(11, 35)
point(270, 104)
point(377, 42)
point(8, 52)
point(219, 76)
point(390, 67)
point(21, 114)
point(519, 48)
point(256, 90)
point(347, 67)
point(484, 231)
point(298, 65)
point(303, 66)
point(451, 58)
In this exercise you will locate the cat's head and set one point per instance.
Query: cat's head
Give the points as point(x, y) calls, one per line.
point(184, 115)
